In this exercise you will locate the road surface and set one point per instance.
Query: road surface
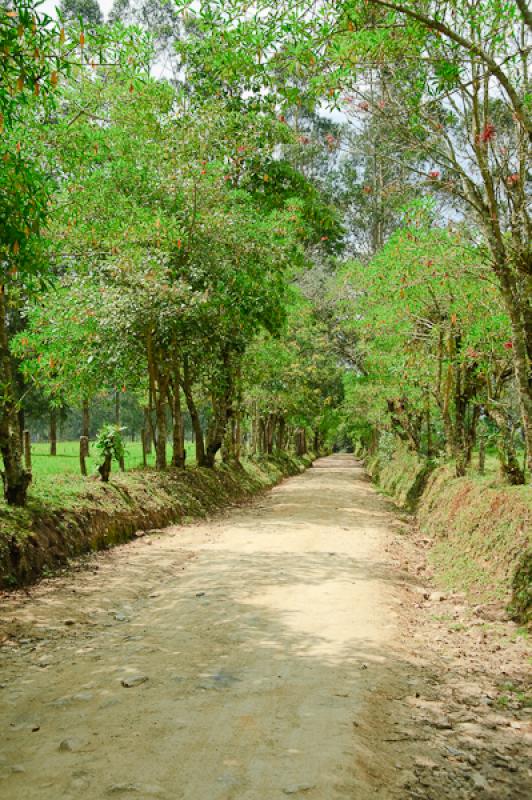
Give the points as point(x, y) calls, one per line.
point(245, 658)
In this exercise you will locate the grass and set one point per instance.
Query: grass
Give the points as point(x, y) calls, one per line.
point(57, 481)
point(480, 528)
point(66, 462)
point(479, 524)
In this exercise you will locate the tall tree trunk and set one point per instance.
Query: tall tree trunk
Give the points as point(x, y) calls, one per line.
point(516, 295)
point(21, 425)
point(523, 375)
point(300, 442)
point(178, 433)
point(262, 435)
point(222, 407)
point(85, 421)
point(15, 478)
point(254, 429)
point(270, 433)
point(53, 431)
point(510, 466)
point(160, 417)
point(428, 422)
point(472, 433)
point(194, 415)
point(281, 433)
point(148, 429)
point(482, 454)
point(216, 429)
point(118, 423)
point(118, 410)
point(238, 432)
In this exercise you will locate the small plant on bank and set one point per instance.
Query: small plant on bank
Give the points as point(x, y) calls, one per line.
point(111, 445)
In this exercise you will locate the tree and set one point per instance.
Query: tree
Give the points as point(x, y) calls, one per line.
point(456, 78)
point(38, 54)
point(181, 251)
point(435, 339)
point(86, 11)
point(32, 59)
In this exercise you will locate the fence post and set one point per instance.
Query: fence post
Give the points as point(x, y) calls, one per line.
point(27, 450)
point(83, 453)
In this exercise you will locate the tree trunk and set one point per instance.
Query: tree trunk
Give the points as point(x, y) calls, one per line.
point(26, 438)
point(482, 455)
point(262, 435)
point(228, 446)
point(143, 438)
point(83, 453)
point(300, 442)
point(85, 418)
point(118, 423)
point(516, 297)
point(472, 434)
point(53, 431)
point(178, 432)
point(118, 410)
point(15, 478)
point(216, 430)
point(428, 422)
point(254, 430)
point(160, 418)
point(85, 421)
point(105, 468)
point(270, 433)
point(510, 467)
point(238, 433)
point(194, 415)
point(281, 434)
point(148, 430)
point(523, 370)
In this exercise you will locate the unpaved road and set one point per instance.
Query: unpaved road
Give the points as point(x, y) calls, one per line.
point(268, 644)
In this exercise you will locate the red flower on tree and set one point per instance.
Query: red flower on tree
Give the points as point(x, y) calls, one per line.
point(488, 133)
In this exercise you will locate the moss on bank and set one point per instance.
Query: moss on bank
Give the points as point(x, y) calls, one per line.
point(81, 516)
point(479, 526)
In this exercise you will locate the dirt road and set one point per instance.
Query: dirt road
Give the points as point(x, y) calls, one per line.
point(252, 657)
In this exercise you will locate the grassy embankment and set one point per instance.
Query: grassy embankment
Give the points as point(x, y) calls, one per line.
point(68, 515)
point(480, 526)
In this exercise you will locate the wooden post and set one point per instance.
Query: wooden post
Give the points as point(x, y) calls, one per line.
point(83, 453)
point(27, 450)
point(143, 436)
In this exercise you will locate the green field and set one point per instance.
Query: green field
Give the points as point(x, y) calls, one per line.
point(66, 462)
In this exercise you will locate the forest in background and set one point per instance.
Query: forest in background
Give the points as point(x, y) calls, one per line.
point(292, 227)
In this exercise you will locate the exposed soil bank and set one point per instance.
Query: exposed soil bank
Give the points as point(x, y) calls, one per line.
point(479, 530)
point(41, 538)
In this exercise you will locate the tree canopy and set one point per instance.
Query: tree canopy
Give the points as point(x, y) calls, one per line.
point(307, 223)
